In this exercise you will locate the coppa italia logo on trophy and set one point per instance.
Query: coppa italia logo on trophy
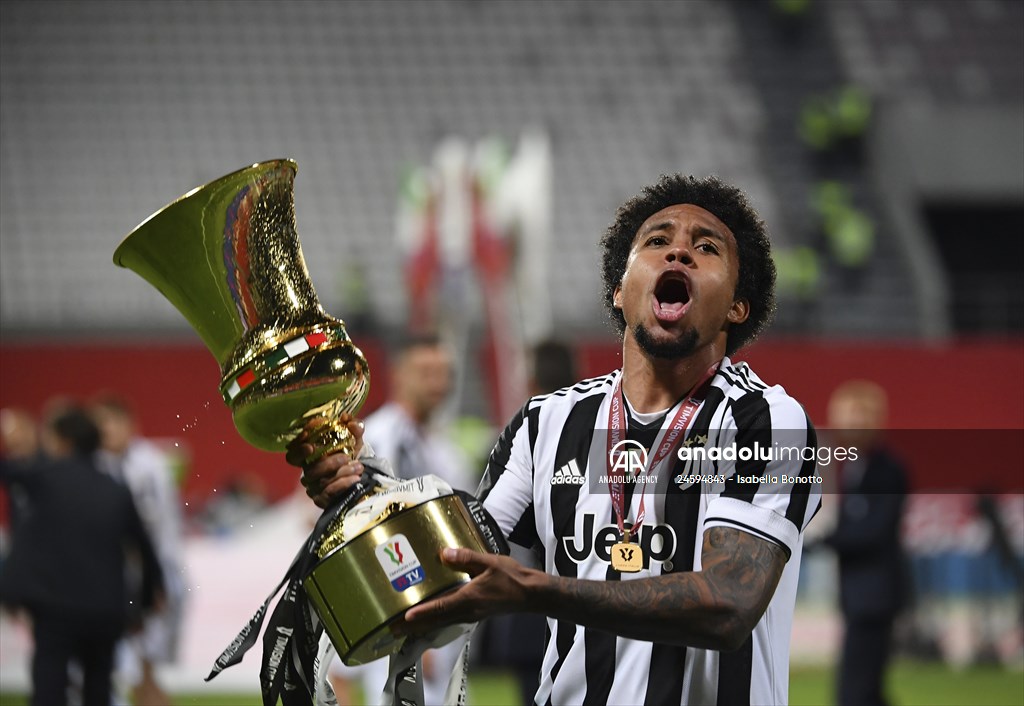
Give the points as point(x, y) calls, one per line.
point(399, 562)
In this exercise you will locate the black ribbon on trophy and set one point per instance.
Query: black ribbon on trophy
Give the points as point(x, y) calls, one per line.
point(291, 631)
point(290, 642)
point(227, 256)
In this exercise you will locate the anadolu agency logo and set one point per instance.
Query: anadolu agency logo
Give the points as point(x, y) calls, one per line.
point(627, 462)
point(627, 458)
point(399, 561)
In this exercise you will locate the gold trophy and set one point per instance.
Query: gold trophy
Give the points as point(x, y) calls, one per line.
point(227, 256)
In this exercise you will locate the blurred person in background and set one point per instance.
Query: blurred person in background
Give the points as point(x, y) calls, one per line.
point(408, 432)
point(235, 504)
point(147, 472)
point(873, 573)
point(19, 441)
point(516, 641)
point(68, 567)
point(703, 614)
point(408, 429)
point(18, 435)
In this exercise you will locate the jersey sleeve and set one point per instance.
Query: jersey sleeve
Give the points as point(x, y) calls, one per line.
point(770, 469)
point(506, 488)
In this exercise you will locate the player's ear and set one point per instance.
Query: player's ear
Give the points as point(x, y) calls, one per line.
point(617, 297)
point(738, 312)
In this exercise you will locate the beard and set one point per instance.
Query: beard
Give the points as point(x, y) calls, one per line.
point(674, 349)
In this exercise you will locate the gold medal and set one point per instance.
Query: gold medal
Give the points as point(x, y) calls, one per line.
point(627, 558)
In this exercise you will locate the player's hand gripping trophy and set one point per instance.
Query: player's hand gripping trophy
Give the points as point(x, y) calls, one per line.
point(227, 256)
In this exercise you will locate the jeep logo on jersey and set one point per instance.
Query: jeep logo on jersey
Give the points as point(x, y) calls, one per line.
point(658, 542)
point(628, 457)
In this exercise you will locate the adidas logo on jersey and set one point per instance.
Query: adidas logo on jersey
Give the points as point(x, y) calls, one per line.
point(569, 474)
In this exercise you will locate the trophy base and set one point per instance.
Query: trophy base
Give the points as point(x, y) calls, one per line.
point(364, 586)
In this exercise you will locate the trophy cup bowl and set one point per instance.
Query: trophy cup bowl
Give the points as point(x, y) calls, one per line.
point(388, 568)
point(227, 256)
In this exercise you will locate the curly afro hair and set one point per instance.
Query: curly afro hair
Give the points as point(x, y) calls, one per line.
point(756, 281)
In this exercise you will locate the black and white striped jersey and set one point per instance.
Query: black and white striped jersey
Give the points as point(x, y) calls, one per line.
point(543, 485)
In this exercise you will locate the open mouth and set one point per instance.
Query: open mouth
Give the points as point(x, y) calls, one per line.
point(671, 296)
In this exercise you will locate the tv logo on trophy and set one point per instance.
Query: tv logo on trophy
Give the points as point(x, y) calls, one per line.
point(400, 563)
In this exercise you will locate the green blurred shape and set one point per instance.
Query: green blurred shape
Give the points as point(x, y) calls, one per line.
point(792, 8)
point(912, 683)
point(852, 238)
point(849, 231)
point(852, 111)
point(474, 437)
point(828, 119)
point(815, 126)
point(798, 271)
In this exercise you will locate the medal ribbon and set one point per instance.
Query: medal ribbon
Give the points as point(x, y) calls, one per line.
point(618, 426)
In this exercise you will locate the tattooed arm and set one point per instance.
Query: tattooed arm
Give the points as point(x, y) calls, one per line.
point(714, 608)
